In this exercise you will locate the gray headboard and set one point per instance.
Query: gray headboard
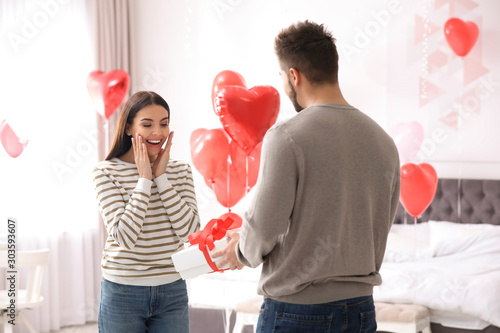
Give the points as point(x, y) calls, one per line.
point(461, 201)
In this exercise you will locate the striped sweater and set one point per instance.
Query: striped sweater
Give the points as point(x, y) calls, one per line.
point(146, 220)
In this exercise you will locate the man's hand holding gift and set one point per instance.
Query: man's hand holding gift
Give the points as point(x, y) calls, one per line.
point(213, 249)
point(229, 252)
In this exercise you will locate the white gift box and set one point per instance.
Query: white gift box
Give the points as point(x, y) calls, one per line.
point(191, 262)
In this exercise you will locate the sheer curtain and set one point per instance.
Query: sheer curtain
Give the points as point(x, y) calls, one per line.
point(109, 26)
point(45, 57)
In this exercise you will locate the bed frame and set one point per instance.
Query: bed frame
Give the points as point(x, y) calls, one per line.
point(461, 201)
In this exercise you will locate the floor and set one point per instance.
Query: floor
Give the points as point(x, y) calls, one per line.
point(88, 328)
point(214, 317)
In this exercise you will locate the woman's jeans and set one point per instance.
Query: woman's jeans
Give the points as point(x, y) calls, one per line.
point(355, 315)
point(138, 309)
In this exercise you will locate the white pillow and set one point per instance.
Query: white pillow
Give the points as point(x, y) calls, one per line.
point(399, 243)
point(401, 248)
point(441, 231)
point(419, 231)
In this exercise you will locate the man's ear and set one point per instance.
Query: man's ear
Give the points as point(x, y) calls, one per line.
point(295, 76)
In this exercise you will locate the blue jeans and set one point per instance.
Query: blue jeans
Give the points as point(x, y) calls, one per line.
point(355, 315)
point(138, 309)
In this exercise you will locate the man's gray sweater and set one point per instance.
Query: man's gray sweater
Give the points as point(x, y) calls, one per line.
point(326, 197)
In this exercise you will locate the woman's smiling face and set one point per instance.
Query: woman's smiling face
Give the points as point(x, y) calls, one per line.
point(152, 124)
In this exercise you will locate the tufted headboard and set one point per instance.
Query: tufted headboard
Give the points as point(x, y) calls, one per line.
point(461, 201)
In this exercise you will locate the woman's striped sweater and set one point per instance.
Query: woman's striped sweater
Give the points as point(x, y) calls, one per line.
point(146, 220)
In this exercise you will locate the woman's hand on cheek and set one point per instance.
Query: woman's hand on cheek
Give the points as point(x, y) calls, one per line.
point(161, 162)
point(141, 157)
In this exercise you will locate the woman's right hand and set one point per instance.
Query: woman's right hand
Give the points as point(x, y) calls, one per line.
point(141, 157)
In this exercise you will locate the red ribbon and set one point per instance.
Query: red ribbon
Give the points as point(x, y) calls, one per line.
point(214, 230)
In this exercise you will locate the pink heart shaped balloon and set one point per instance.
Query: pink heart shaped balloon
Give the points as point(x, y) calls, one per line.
point(108, 90)
point(408, 138)
point(10, 141)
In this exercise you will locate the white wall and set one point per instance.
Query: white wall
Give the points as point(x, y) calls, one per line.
point(189, 42)
point(45, 58)
point(460, 115)
point(179, 47)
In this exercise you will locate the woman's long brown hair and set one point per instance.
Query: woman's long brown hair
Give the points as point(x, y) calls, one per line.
point(121, 141)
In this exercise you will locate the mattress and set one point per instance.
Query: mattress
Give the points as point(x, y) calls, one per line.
point(453, 269)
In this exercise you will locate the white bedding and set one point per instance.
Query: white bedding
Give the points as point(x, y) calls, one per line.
point(453, 269)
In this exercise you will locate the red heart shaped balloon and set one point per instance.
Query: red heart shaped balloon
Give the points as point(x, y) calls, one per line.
point(239, 160)
point(237, 220)
point(246, 115)
point(460, 35)
point(418, 187)
point(10, 141)
point(226, 78)
point(231, 185)
point(223, 164)
point(228, 189)
point(209, 152)
point(108, 90)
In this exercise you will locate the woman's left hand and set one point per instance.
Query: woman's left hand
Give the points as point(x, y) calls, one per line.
point(161, 162)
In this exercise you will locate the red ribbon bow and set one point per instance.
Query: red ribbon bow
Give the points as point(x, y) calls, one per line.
point(214, 230)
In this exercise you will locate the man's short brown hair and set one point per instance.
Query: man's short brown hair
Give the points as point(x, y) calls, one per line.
point(309, 48)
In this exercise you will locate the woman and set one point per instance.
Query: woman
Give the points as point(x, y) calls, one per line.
point(149, 208)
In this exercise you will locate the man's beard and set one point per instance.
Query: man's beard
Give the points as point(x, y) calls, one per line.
point(293, 98)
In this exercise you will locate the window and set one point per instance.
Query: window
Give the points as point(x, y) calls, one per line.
point(45, 57)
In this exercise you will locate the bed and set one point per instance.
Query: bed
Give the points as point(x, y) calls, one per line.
point(450, 260)
point(460, 208)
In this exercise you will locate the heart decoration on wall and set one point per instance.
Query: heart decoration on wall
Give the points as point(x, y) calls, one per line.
point(245, 114)
point(108, 90)
point(222, 163)
point(460, 35)
point(12, 144)
point(418, 187)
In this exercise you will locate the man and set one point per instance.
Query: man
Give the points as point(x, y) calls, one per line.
point(326, 198)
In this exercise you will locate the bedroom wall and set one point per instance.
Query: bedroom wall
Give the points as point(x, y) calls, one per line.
point(456, 101)
point(179, 47)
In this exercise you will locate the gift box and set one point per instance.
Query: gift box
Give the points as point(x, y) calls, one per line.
point(195, 259)
point(191, 262)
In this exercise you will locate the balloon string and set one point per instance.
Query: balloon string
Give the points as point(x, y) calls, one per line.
point(414, 252)
point(460, 127)
point(106, 135)
point(246, 173)
point(228, 181)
